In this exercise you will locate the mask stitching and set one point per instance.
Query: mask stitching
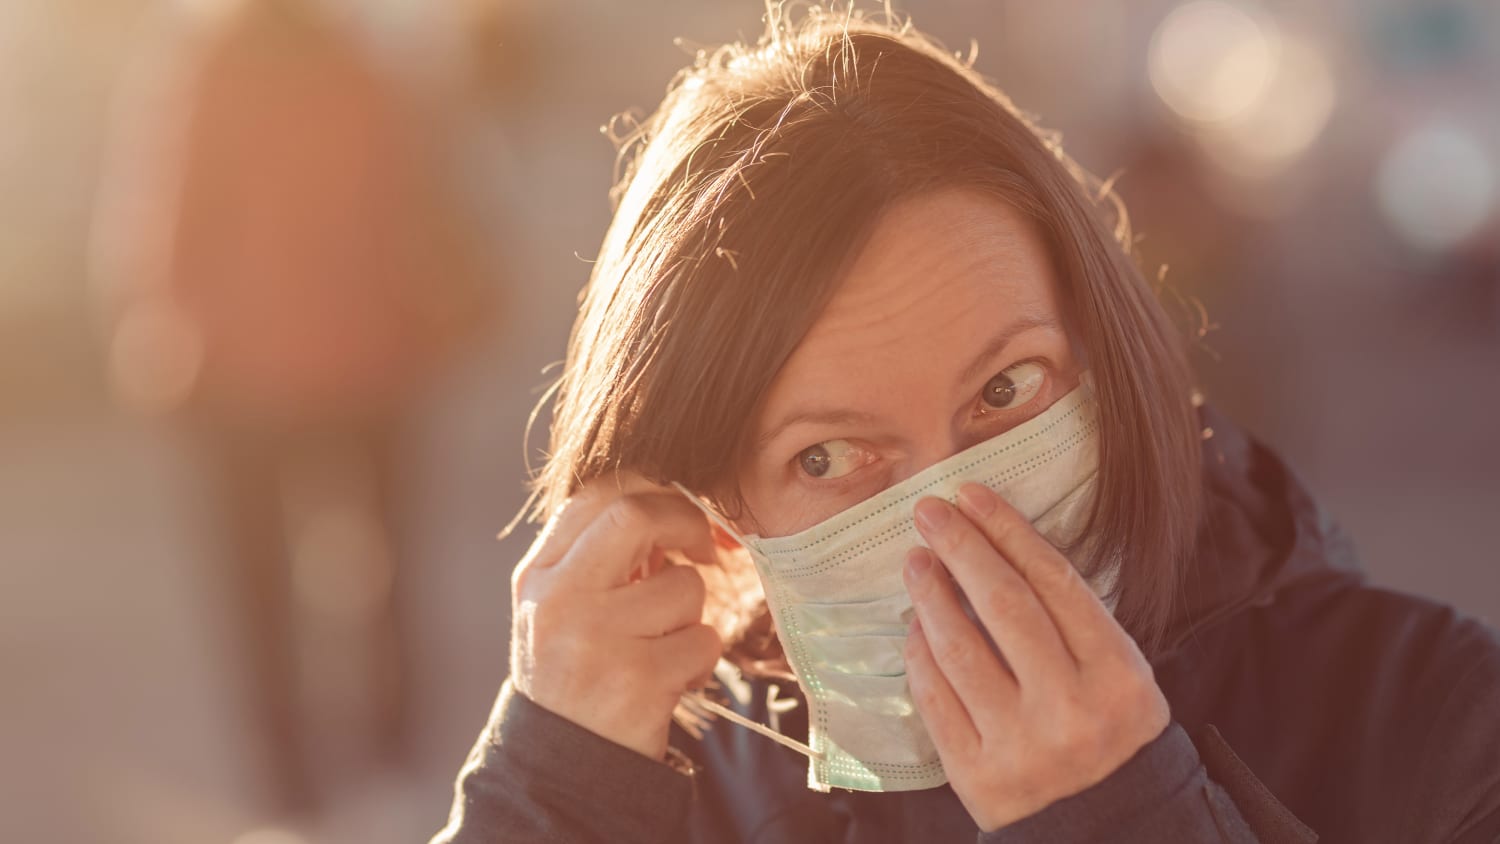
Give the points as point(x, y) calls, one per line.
point(823, 564)
point(884, 770)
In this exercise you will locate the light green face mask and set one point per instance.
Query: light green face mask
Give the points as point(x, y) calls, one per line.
point(842, 611)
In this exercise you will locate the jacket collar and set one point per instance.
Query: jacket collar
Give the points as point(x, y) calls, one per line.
point(1261, 532)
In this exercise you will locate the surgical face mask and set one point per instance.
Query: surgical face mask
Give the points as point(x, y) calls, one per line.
point(841, 609)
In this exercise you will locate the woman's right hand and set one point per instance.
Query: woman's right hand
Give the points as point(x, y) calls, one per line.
point(605, 631)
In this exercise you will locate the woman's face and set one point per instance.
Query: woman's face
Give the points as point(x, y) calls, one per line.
point(945, 332)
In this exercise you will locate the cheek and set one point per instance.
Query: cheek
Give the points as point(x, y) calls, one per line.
point(780, 513)
point(758, 494)
point(774, 506)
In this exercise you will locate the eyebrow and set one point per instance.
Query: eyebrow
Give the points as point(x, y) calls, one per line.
point(818, 417)
point(992, 350)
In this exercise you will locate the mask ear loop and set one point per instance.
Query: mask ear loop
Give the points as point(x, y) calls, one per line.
point(708, 511)
point(698, 700)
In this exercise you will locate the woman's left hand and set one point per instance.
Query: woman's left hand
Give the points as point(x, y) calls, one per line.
point(1072, 700)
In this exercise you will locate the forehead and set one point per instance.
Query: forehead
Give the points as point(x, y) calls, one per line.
point(941, 274)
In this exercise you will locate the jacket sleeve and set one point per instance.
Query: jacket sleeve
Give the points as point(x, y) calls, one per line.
point(534, 776)
point(1166, 792)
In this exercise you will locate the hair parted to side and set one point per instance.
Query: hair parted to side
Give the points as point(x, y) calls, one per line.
point(741, 200)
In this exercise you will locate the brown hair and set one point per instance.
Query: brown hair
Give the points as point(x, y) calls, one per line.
point(757, 181)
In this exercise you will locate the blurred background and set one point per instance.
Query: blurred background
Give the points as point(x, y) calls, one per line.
point(279, 281)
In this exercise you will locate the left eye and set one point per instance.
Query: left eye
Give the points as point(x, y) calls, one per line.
point(1014, 387)
point(832, 459)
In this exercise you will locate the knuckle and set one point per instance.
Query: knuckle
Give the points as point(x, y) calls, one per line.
point(1072, 706)
point(962, 538)
point(1004, 600)
point(952, 652)
point(693, 588)
point(526, 572)
point(1003, 527)
point(976, 765)
point(527, 576)
point(1054, 571)
point(927, 697)
point(595, 493)
point(628, 513)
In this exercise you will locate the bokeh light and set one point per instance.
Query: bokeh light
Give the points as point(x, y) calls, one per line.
point(1292, 112)
point(1436, 185)
point(1212, 60)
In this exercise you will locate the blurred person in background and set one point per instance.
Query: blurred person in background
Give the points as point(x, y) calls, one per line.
point(1151, 633)
point(283, 269)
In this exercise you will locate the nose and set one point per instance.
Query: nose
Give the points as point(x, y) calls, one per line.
point(963, 439)
point(938, 446)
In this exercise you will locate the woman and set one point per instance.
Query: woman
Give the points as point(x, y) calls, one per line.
point(861, 329)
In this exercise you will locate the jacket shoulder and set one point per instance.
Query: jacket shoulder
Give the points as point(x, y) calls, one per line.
point(1372, 714)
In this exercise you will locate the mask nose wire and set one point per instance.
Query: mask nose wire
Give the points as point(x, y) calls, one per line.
point(698, 700)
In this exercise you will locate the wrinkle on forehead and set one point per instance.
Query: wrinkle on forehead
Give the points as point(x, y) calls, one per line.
point(932, 261)
point(982, 238)
point(941, 274)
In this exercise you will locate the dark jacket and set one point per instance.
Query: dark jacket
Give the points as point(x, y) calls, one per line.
point(1354, 713)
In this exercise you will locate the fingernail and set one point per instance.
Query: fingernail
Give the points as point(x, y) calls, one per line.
point(933, 513)
point(979, 499)
point(918, 563)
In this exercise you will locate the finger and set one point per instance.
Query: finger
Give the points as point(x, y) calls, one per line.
point(620, 539)
point(958, 647)
point(944, 715)
point(663, 603)
point(1084, 623)
point(1000, 596)
point(578, 512)
point(685, 659)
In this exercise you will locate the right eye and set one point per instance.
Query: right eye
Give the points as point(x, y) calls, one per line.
point(832, 459)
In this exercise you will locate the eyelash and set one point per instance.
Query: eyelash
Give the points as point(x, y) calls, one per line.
point(981, 412)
